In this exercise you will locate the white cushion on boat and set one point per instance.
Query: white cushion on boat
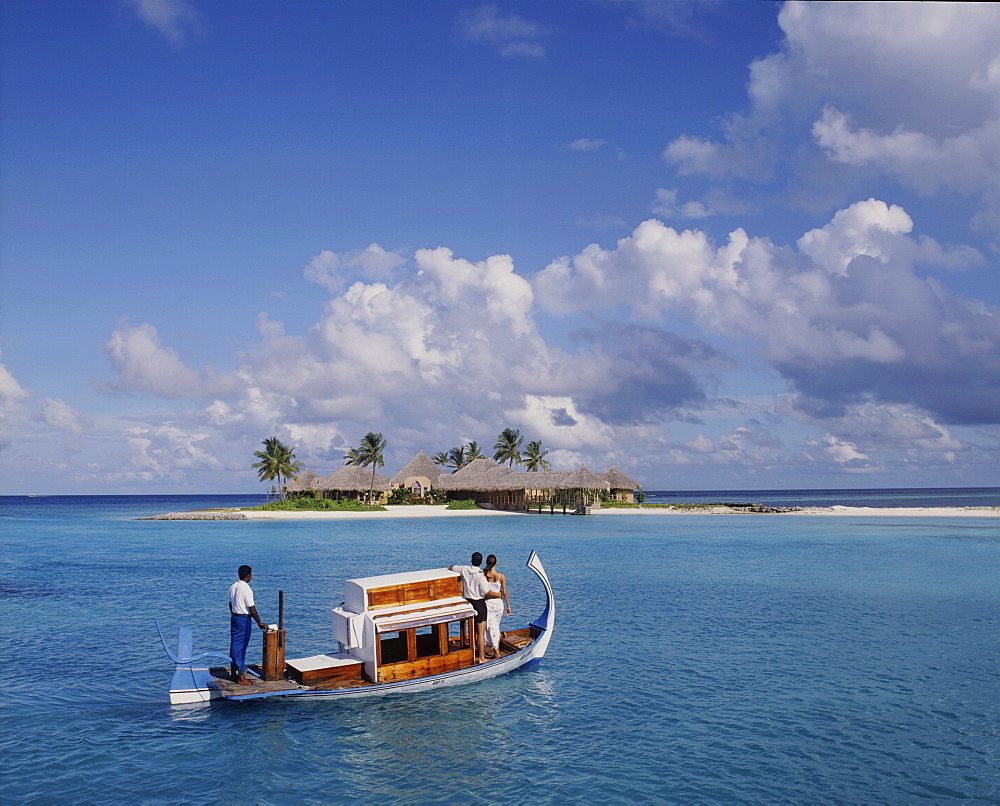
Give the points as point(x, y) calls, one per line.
point(316, 662)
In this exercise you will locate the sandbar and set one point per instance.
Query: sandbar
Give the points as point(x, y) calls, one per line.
point(903, 512)
point(834, 511)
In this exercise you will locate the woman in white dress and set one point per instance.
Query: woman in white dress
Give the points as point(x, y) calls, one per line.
point(495, 608)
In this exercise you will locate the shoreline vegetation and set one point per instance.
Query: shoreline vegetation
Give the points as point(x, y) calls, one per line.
point(335, 510)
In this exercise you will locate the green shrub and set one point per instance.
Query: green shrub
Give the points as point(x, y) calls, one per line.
point(401, 496)
point(463, 503)
point(319, 505)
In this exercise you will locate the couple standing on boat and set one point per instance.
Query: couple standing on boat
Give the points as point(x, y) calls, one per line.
point(486, 590)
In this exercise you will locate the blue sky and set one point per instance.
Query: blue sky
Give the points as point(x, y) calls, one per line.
point(720, 245)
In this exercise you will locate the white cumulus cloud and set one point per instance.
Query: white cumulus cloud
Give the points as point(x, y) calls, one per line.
point(666, 206)
point(144, 364)
point(59, 415)
point(904, 90)
point(847, 314)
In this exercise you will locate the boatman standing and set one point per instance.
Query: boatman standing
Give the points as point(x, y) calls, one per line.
point(241, 610)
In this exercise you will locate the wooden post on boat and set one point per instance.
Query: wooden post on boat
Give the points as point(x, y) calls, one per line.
point(274, 646)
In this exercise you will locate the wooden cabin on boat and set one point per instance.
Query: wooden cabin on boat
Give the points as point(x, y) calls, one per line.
point(395, 627)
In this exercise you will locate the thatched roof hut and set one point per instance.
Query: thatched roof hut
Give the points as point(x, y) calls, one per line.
point(485, 475)
point(494, 485)
point(303, 483)
point(420, 466)
point(481, 475)
point(583, 479)
point(544, 479)
point(351, 478)
point(617, 479)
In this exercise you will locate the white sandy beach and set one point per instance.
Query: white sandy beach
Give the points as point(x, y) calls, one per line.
point(436, 512)
point(903, 512)
point(835, 511)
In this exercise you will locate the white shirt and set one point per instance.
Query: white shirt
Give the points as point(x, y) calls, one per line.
point(474, 584)
point(240, 598)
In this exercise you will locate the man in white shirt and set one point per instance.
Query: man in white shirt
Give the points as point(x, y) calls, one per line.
point(241, 610)
point(476, 590)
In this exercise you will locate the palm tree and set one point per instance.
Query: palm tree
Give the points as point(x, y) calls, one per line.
point(351, 457)
point(276, 461)
point(534, 456)
point(508, 447)
point(371, 453)
point(472, 452)
point(440, 459)
point(456, 457)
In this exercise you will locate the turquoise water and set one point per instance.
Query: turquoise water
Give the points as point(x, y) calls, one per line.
point(696, 659)
point(880, 498)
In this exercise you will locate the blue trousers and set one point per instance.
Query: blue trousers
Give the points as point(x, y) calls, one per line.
point(240, 629)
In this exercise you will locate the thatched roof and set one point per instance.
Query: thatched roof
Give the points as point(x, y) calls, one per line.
point(485, 475)
point(481, 475)
point(352, 478)
point(544, 479)
point(419, 465)
point(617, 479)
point(583, 479)
point(303, 483)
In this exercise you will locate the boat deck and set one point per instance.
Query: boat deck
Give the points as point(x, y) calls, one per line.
point(511, 643)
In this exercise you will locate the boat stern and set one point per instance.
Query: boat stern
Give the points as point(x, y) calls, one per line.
point(189, 684)
point(191, 677)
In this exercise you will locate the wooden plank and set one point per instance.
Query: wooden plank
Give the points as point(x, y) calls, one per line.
point(326, 685)
point(414, 592)
point(384, 597)
point(274, 655)
point(442, 634)
point(423, 667)
point(229, 688)
point(514, 643)
point(310, 677)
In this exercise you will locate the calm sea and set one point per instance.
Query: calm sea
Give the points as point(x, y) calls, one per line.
point(696, 659)
point(897, 497)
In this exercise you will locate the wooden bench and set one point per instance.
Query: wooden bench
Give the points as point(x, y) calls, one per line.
point(514, 643)
point(323, 668)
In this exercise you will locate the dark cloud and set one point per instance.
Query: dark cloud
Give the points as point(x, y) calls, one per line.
point(651, 374)
point(955, 394)
point(562, 417)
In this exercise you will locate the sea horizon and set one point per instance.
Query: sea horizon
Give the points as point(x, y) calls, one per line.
point(875, 497)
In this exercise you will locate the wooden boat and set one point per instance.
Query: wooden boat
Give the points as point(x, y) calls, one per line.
point(404, 632)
